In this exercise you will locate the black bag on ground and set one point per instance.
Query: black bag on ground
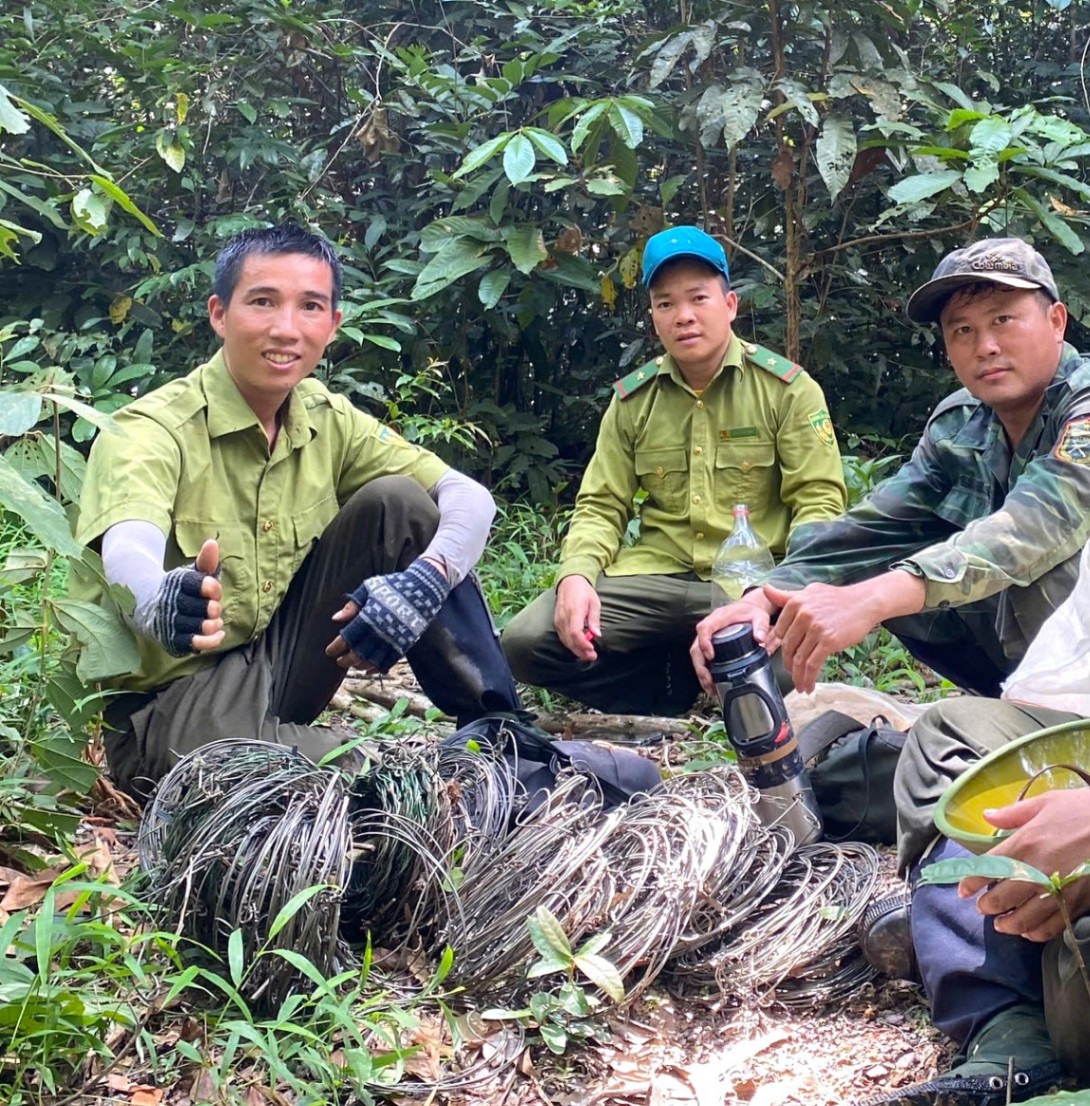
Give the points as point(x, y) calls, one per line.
point(851, 771)
point(537, 758)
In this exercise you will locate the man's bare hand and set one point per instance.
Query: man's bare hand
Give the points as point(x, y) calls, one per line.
point(1052, 833)
point(212, 630)
point(823, 619)
point(577, 616)
point(339, 649)
point(752, 607)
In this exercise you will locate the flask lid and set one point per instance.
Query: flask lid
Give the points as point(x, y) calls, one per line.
point(733, 642)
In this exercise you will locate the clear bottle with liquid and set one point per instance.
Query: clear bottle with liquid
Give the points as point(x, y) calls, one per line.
point(743, 560)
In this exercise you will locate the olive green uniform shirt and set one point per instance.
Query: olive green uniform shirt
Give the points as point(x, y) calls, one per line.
point(972, 517)
point(758, 434)
point(193, 459)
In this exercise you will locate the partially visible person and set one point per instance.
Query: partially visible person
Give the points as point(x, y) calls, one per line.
point(713, 422)
point(273, 535)
point(966, 550)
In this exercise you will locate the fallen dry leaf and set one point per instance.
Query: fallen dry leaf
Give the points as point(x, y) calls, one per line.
point(146, 1096)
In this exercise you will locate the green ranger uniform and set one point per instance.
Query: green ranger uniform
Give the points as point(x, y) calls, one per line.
point(184, 458)
point(993, 532)
point(758, 434)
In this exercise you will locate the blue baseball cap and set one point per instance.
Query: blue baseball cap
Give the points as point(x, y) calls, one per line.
point(677, 242)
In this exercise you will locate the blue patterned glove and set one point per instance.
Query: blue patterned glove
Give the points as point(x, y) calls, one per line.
point(175, 615)
point(394, 611)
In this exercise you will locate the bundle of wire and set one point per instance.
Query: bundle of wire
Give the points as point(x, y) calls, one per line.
point(429, 847)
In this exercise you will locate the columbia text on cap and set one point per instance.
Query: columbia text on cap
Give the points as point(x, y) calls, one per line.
point(677, 242)
point(1009, 262)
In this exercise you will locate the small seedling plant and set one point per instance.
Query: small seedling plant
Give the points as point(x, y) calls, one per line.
point(570, 1012)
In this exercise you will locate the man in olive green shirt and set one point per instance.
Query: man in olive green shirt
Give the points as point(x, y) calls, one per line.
point(273, 536)
point(714, 422)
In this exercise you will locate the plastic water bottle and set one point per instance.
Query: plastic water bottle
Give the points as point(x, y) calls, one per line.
point(743, 560)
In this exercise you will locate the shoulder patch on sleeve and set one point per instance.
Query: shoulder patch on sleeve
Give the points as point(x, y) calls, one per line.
point(777, 365)
point(637, 378)
point(1074, 443)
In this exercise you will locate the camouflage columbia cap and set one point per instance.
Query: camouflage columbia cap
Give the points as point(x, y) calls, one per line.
point(1007, 261)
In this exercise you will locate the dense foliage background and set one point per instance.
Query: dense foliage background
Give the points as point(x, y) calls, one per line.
point(491, 171)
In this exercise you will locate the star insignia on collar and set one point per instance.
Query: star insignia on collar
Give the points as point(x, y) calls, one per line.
point(770, 360)
point(641, 375)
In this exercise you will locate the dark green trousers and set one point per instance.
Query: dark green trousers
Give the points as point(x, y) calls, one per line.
point(274, 687)
point(643, 665)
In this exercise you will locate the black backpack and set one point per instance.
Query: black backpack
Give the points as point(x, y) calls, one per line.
point(851, 771)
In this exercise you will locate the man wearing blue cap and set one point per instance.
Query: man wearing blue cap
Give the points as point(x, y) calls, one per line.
point(713, 422)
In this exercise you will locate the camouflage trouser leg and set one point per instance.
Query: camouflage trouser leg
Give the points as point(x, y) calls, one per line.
point(273, 688)
point(960, 643)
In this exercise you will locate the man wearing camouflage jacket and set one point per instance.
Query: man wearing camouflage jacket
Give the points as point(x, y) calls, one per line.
point(965, 551)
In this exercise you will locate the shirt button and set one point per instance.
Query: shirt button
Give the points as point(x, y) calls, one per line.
point(659, 471)
point(267, 586)
point(658, 361)
point(267, 525)
point(700, 403)
point(699, 450)
point(696, 499)
point(700, 535)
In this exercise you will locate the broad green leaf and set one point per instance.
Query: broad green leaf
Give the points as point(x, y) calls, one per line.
point(436, 235)
point(481, 154)
point(456, 259)
point(606, 186)
point(602, 973)
point(626, 124)
point(181, 107)
point(667, 57)
point(554, 1038)
point(122, 199)
point(60, 758)
point(709, 116)
point(107, 646)
point(741, 104)
point(547, 965)
point(798, 94)
point(42, 515)
point(595, 944)
point(12, 119)
point(548, 934)
point(1056, 226)
point(247, 111)
point(991, 135)
point(982, 174)
point(236, 962)
point(526, 247)
point(922, 185)
point(548, 144)
point(170, 150)
point(1063, 179)
point(836, 150)
point(101, 419)
point(668, 188)
point(519, 159)
point(585, 122)
point(47, 211)
point(989, 867)
point(963, 100)
point(383, 342)
point(89, 210)
point(19, 411)
point(492, 287)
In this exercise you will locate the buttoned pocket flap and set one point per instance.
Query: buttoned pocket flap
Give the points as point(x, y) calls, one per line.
point(661, 462)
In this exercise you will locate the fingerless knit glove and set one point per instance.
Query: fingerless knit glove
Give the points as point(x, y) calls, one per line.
point(394, 611)
point(175, 615)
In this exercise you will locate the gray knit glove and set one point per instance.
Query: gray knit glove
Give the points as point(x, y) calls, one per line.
point(394, 611)
point(173, 618)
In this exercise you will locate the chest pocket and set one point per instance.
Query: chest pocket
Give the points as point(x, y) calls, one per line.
point(664, 475)
point(309, 525)
point(745, 472)
point(236, 567)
